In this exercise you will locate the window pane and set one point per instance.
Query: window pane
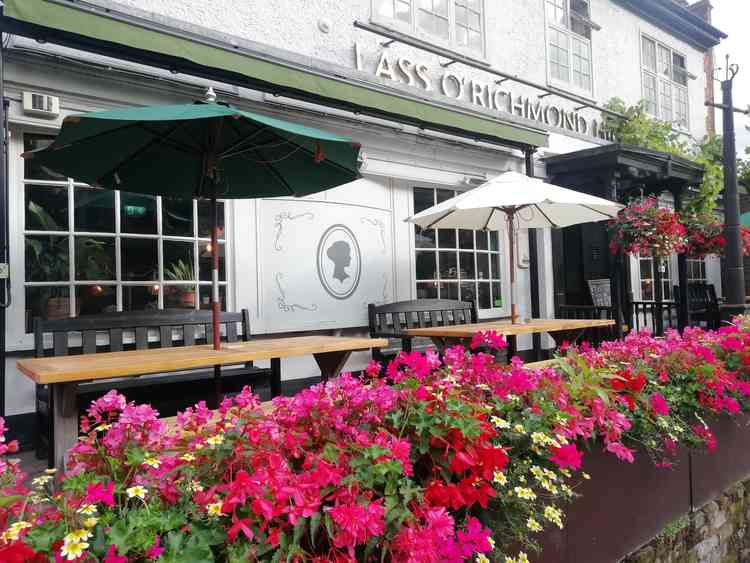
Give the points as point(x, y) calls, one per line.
point(483, 266)
point(495, 266)
point(47, 258)
point(424, 238)
point(494, 244)
point(484, 301)
point(139, 259)
point(448, 290)
point(179, 296)
point(403, 11)
point(384, 8)
point(466, 239)
point(432, 17)
point(96, 299)
point(137, 213)
point(444, 195)
point(468, 272)
point(204, 262)
point(177, 217)
point(179, 263)
point(482, 240)
point(46, 303)
point(581, 64)
point(650, 96)
point(139, 298)
point(468, 292)
point(205, 294)
point(427, 290)
point(497, 296)
point(204, 218)
point(559, 55)
point(556, 11)
point(32, 168)
point(94, 210)
point(681, 107)
point(664, 61)
point(424, 198)
point(448, 265)
point(468, 24)
point(95, 258)
point(426, 266)
point(46, 208)
point(649, 54)
point(447, 238)
point(665, 105)
point(679, 69)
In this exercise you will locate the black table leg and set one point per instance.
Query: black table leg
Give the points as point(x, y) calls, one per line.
point(275, 377)
point(64, 415)
point(331, 363)
point(217, 385)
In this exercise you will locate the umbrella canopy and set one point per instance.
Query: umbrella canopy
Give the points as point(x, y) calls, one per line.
point(202, 150)
point(745, 219)
point(536, 205)
point(513, 200)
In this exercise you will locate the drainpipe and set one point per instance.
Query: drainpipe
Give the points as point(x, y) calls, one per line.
point(4, 272)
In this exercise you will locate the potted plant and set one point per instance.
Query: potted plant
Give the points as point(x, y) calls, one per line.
point(645, 229)
point(183, 271)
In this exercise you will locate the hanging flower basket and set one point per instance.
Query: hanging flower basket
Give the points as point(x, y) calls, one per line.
point(645, 229)
point(705, 235)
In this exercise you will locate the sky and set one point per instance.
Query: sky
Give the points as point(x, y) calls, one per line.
point(733, 18)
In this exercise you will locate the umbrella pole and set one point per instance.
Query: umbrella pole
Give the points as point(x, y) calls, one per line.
point(215, 303)
point(512, 256)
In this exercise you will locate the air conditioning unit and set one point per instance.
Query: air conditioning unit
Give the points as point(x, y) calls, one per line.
point(41, 105)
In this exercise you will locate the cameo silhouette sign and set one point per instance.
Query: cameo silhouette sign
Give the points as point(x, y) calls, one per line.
point(339, 262)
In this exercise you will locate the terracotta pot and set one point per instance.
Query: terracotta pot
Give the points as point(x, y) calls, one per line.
point(59, 308)
point(188, 299)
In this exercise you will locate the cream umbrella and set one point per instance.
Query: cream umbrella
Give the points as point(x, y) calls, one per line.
point(512, 199)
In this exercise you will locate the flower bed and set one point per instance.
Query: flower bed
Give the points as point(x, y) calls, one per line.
point(449, 462)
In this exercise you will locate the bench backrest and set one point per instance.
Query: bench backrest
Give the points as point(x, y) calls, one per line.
point(701, 295)
point(112, 332)
point(390, 320)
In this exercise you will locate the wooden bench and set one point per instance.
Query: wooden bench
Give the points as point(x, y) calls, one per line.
point(703, 303)
point(139, 331)
point(393, 319)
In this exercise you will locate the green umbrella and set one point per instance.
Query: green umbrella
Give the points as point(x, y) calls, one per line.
point(203, 150)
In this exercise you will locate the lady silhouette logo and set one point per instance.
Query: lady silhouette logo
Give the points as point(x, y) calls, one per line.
point(339, 262)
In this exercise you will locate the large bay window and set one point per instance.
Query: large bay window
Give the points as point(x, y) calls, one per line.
point(456, 263)
point(665, 79)
point(89, 251)
point(569, 44)
point(454, 23)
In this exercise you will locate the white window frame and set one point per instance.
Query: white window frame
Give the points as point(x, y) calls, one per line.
point(572, 36)
point(451, 42)
point(492, 312)
point(665, 86)
point(18, 337)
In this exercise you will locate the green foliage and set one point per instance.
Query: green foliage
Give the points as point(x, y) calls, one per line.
point(644, 131)
point(179, 271)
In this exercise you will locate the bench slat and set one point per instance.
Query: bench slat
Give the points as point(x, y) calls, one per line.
point(115, 340)
point(165, 336)
point(141, 338)
point(89, 341)
point(188, 335)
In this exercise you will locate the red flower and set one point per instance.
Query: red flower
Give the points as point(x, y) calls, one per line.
point(113, 557)
point(566, 456)
point(659, 404)
point(99, 492)
point(19, 552)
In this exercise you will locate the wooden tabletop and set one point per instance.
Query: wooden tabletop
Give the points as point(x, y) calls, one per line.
point(507, 329)
point(65, 369)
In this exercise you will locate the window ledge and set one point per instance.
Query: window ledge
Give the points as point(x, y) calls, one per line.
point(448, 52)
point(584, 95)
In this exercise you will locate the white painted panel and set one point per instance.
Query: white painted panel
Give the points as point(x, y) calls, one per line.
point(321, 263)
point(19, 390)
point(372, 192)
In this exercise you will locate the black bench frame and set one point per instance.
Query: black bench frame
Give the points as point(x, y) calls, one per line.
point(703, 304)
point(392, 319)
point(118, 329)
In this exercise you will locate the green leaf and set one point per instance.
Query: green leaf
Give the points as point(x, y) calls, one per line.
point(41, 537)
point(10, 499)
point(314, 525)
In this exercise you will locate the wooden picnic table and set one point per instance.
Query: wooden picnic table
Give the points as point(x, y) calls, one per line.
point(64, 373)
point(559, 329)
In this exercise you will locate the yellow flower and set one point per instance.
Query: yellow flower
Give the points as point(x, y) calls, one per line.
point(554, 515)
point(199, 446)
point(525, 493)
point(519, 428)
point(533, 525)
point(152, 462)
point(215, 440)
point(103, 427)
point(509, 559)
point(51, 471)
point(187, 457)
point(550, 475)
point(73, 551)
point(195, 486)
point(214, 509)
point(548, 486)
point(14, 530)
point(491, 542)
point(77, 536)
point(482, 558)
point(540, 438)
point(499, 422)
point(137, 491)
point(522, 557)
point(500, 478)
point(41, 480)
point(586, 476)
point(87, 509)
point(90, 522)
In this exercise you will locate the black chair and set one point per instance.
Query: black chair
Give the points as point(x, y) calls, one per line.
point(703, 303)
point(141, 330)
point(392, 319)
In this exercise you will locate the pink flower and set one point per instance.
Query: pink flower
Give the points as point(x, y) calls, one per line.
point(489, 338)
point(622, 453)
point(98, 492)
point(566, 456)
point(155, 551)
point(659, 404)
point(113, 557)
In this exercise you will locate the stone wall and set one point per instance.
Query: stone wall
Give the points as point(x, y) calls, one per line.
point(716, 533)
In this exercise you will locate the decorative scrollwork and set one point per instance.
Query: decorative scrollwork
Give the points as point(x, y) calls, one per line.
point(281, 299)
point(378, 224)
point(278, 224)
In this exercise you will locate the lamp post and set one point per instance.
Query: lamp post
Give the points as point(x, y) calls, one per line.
point(735, 272)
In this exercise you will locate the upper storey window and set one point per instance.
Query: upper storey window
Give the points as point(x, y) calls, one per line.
point(569, 44)
point(665, 78)
point(452, 23)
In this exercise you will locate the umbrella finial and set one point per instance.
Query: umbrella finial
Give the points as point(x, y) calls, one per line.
point(210, 96)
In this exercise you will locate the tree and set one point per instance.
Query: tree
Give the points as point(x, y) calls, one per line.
point(642, 130)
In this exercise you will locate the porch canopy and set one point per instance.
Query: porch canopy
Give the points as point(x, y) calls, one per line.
point(617, 172)
point(96, 28)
